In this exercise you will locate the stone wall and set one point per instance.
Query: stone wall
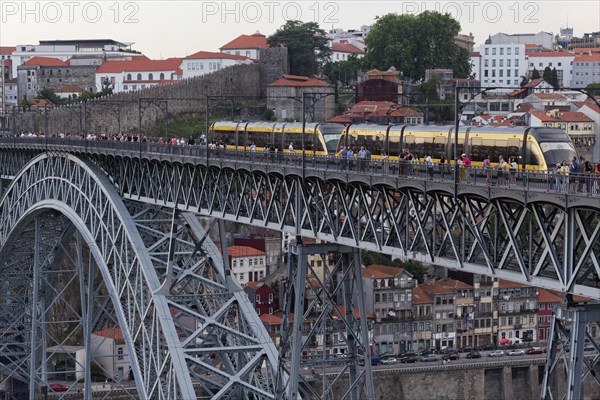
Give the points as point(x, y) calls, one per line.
point(273, 64)
point(457, 382)
point(185, 99)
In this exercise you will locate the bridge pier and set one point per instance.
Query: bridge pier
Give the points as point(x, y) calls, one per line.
point(328, 312)
point(568, 337)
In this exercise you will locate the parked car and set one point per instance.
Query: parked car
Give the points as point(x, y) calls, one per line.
point(474, 354)
point(57, 387)
point(410, 358)
point(451, 356)
point(375, 360)
point(516, 352)
point(535, 350)
point(389, 360)
point(430, 358)
point(496, 353)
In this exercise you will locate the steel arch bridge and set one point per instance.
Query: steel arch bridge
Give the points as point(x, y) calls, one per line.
point(179, 312)
point(525, 233)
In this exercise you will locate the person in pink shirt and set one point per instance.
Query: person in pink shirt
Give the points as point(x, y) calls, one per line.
point(466, 164)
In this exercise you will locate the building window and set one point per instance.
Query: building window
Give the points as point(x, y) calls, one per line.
point(516, 51)
point(119, 353)
point(258, 297)
point(125, 87)
point(139, 77)
point(501, 51)
point(150, 77)
point(128, 77)
point(270, 296)
point(493, 51)
point(509, 51)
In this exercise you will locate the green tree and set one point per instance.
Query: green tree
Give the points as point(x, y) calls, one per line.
point(414, 43)
point(307, 46)
point(49, 94)
point(25, 104)
point(547, 75)
point(535, 74)
point(345, 72)
point(593, 89)
point(555, 79)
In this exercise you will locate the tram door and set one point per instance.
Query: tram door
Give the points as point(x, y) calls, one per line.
point(514, 150)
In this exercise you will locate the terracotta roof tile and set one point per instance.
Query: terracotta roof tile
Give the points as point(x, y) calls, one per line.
point(244, 251)
point(207, 55)
point(294, 80)
point(503, 283)
point(550, 96)
point(551, 54)
point(111, 333)
point(270, 319)
point(546, 296)
point(566, 116)
point(595, 57)
point(435, 288)
point(45, 62)
point(139, 65)
point(346, 48)
point(7, 49)
point(454, 284)
point(356, 313)
point(255, 41)
point(474, 54)
point(419, 296)
point(377, 271)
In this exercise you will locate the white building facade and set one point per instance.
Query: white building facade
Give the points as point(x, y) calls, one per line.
point(247, 264)
point(248, 46)
point(586, 70)
point(127, 76)
point(562, 61)
point(502, 64)
point(206, 62)
point(110, 352)
point(543, 39)
point(65, 49)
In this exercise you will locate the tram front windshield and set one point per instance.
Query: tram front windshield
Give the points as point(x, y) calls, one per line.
point(557, 152)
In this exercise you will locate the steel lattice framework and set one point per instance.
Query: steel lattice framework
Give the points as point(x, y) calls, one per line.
point(183, 320)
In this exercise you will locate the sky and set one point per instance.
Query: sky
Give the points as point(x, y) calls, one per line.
point(163, 29)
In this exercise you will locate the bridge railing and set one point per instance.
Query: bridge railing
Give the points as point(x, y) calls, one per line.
point(549, 181)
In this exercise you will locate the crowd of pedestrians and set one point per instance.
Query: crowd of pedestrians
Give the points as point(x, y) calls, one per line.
point(577, 175)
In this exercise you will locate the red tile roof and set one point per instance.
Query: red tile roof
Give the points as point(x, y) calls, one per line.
point(45, 62)
point(346, 48)
point(204, 55)
point(295, 80)
point(435, 288)
point(503, 283)
point(41, 103)
point(70, 89)
point(551, 54)
point(531, 45)
point(339, 119)
point(256, 41)
point(546, 296)
point(419, 296)
point(474, 54)
point(110, 333)
point(593, 57)
point(567, 116)
point(7, 63)
point(7, 49)
point(550, 96)
point(377, 271)
point(454, 284)
point(244, 251)
point(534, 82)
point(139, 65)
point(270, 319)
point(581, 50)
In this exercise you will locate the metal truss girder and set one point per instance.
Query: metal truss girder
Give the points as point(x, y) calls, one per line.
point(76, 189)
point(569, 333)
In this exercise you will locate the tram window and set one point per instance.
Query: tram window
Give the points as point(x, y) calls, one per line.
point(488, 148)
point(477, 150)
point(424, 145)
point(373, 143)
point(291, 137)
point(409, 143)
point(439, 147)
point(226, 137)
point(353, 140)
point(532, 156)
point(260, 139)
point(394, 145)
point(500, 149)
point(310, 139)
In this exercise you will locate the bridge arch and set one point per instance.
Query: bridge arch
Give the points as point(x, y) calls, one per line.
point(78, 191)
